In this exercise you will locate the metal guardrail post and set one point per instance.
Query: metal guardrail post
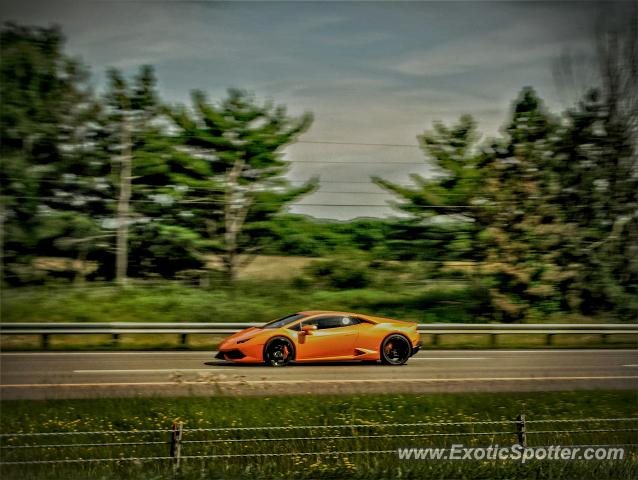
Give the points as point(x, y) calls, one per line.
point(45, 341)
point(176, 444)
point(521, 430)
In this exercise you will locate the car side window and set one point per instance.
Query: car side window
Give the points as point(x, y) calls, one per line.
point(323, 323)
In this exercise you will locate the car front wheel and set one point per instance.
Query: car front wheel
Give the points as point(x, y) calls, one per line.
point(278, 352)
point(395, 350)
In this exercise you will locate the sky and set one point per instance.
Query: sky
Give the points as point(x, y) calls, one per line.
point(375, 75)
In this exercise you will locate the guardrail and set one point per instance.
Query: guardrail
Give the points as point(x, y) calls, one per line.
point(242, 444)
point(45, 330)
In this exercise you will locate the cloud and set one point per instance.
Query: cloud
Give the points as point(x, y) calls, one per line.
point(374, 72)
point(510, 47)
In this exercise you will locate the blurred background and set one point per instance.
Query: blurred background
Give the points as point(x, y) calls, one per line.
point(433, 162)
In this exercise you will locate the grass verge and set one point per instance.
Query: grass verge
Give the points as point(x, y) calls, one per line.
point(156, 413)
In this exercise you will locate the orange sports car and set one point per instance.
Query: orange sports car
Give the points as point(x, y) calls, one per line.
point(323, 336)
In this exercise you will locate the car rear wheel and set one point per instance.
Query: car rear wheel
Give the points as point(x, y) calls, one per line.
point(278, 352)
point(395, 350)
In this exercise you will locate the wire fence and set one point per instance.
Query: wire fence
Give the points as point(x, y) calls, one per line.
point(243, 443)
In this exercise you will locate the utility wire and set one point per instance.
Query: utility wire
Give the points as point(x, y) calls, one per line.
point(357, 144)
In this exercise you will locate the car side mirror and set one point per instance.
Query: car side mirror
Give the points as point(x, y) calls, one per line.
point(307, 329)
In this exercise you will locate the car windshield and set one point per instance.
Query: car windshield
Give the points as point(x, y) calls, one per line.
point(284, 321)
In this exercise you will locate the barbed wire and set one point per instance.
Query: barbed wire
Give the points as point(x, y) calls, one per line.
point(321, 438)
point(302, 427)
point(248, 440)
point(347, 437)
point(282, 454)
point(81, 445)
point(99, 432)
point(577, 420)
point(594, 445)
point(375, 425)
point(85, 460)
point(583, 431)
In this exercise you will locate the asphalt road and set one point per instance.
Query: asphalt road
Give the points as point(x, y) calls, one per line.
point(125, 374)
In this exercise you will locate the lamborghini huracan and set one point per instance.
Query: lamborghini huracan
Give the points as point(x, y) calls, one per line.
point(323, 336)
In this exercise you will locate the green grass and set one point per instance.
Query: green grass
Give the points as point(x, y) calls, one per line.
point(247, 301)
point(223, 411)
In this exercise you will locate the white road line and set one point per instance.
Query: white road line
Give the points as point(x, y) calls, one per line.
point(170, 370)
point(447, 358)
point(154, 370)
point(288, 382)
point(59, 354)
point(630, 365)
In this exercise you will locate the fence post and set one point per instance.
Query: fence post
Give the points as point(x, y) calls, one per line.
point(521, 430)
point(176, 444)
point(45, 341)
point(115, 339)
point(183, 338)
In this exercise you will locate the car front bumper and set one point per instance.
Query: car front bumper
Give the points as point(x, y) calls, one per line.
point(247, 354)
point(230, 355)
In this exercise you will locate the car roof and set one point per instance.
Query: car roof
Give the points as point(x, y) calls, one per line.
point(371, 318)
point(321, 312)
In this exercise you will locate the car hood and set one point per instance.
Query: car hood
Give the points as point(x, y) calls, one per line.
point(244, 334)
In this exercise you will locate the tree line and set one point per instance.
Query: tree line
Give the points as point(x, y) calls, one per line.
point(123, 179)
point(546, 214)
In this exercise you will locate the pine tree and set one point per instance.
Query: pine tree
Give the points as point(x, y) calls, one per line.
point(236, 146)
point(451, 149)
point(520, 229)
point(51, 167)
point(596, 183)
point(137, 139)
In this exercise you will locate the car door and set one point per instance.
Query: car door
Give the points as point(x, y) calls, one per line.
point(335, 336)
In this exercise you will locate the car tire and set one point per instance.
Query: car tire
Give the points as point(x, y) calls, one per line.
point(279, 352)
point(395, 350)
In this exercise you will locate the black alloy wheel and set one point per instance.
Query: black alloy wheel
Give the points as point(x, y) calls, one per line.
point(278, 352)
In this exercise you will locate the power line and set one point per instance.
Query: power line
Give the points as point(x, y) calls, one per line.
point(360, 144)
point(319, 142)
point(349, 163)
point(211, 202)
point(196, 202)
point(78, 182)
point(71, 181)
point(355, 163)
